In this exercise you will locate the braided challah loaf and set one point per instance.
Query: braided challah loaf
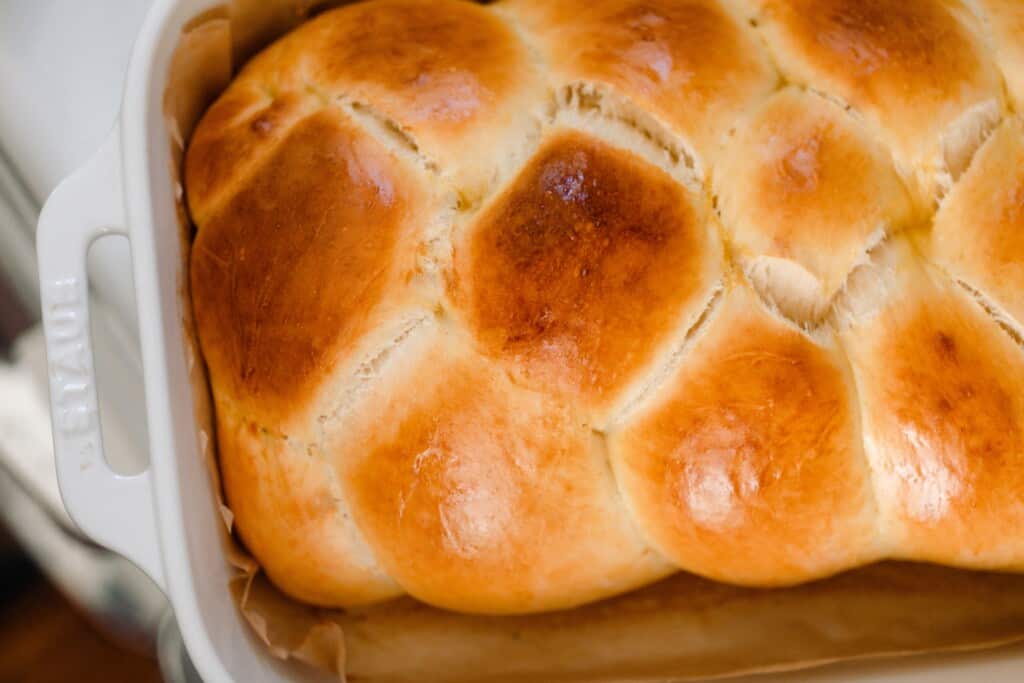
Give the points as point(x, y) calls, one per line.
point(514, 307)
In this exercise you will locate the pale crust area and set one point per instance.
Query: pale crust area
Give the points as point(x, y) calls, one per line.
point(1005, 23)
point(286, 506)
point(802, 173)
point(515, 307)
point(979, 231)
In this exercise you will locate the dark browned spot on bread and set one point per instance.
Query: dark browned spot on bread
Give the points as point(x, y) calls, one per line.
point(945, 345)
point(262, 125)
point(286, 274)
point(584, 264)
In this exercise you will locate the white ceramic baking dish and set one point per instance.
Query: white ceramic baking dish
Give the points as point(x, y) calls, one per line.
point(166, 519)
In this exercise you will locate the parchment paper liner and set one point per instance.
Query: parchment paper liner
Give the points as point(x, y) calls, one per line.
point(683, 628)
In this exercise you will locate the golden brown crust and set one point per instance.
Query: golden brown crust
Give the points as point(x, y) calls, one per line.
point(657, 54)
point(238, 132)
point(587, 263)
point(292, 271)
point(462, 488)
point(912, 69)
point(747, 465)
point(447, 74)
point(943, 402)
point(436, 64)
point(514, 307)
point(799, 174)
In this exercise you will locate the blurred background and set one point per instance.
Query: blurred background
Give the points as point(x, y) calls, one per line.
point(68, 610)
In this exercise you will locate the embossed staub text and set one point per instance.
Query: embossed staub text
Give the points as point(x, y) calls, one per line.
point(70, 373)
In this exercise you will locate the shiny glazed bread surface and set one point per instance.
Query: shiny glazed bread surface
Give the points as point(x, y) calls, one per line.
point(515, 307)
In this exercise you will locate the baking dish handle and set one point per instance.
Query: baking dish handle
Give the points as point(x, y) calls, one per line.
point(113, 510)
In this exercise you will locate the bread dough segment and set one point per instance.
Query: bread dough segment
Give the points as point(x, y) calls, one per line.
point(942, 395)
point(801, 173)
point(239, 133)
point(918, 72)
point(288, 511)
point(314, 254)
point(481, 496)
point(449, 76)
point(747, 465)
point(583, 270)
point(693, 64)
point(979, 230)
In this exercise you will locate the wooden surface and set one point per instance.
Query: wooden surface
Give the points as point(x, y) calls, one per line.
point(43, 639)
